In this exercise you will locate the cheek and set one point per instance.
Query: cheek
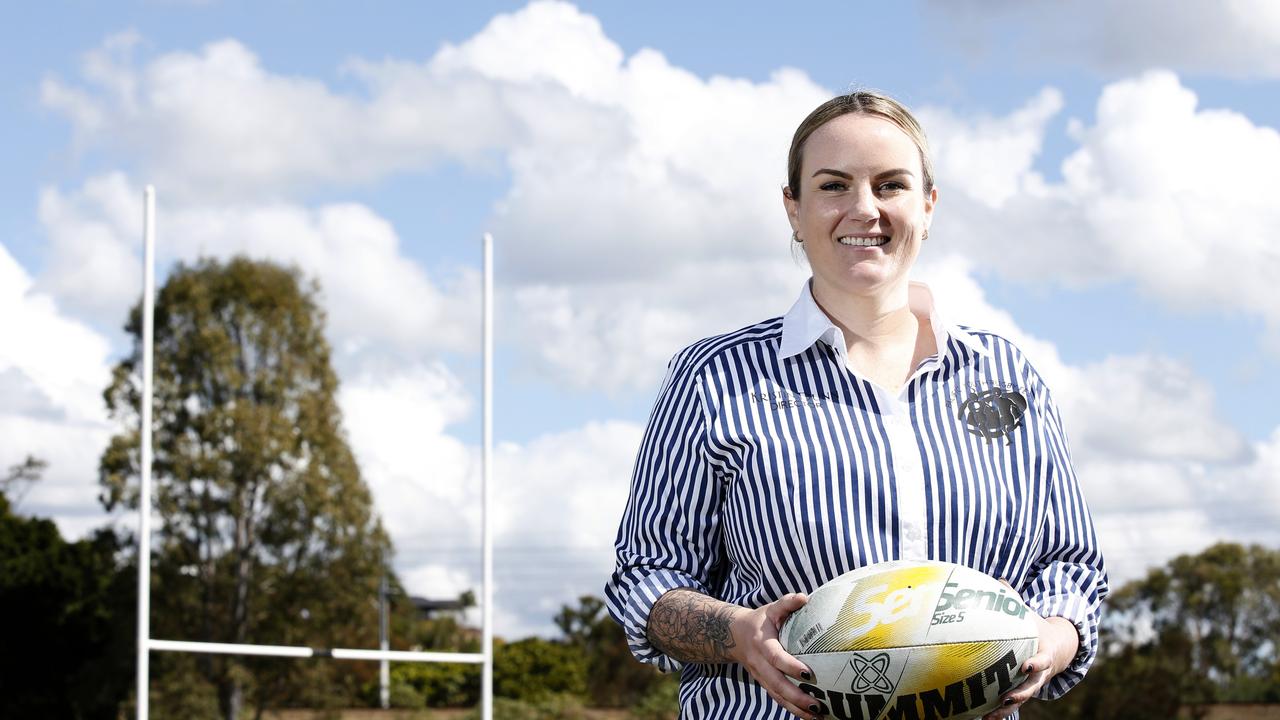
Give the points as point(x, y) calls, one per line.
point(818, 213)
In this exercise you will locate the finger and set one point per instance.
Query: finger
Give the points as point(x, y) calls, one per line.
point(785, 693)
point(779, 609)
point(1001, 712)
point(1037, 669)
point(780, 659)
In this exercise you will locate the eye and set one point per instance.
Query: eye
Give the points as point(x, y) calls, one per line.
point(833, 186)
point(892, 186)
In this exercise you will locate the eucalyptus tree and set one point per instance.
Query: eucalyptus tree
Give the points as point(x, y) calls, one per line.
point(266, 533)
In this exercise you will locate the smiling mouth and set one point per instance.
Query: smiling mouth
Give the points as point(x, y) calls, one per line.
point(873, 241)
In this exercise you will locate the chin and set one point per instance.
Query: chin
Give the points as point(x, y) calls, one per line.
point(862, 282)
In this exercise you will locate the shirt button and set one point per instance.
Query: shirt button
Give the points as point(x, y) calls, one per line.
point(913, 533)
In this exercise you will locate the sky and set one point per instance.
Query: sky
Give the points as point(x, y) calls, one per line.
point(1106, 175)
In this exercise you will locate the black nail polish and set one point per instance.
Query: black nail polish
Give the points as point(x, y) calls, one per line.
point(1008, 701)
point(804, 675)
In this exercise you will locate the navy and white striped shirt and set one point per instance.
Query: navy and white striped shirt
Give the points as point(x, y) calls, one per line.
point(768, 467)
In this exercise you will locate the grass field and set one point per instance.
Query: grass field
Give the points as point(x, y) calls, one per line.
point(1242, 711)
point(447, 714)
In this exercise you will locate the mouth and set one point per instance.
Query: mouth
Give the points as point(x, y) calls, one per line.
point(863, 240)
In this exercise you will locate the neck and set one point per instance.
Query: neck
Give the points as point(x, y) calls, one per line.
point(877, 319)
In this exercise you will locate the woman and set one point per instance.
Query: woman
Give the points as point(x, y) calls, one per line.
point(860, 427)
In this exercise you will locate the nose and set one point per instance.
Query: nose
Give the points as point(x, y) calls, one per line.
point(862, 205)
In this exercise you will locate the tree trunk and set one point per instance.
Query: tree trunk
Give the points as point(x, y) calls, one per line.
point(230, 698)
point(242, 547)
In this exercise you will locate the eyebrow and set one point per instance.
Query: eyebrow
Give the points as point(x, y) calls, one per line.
point(847, 176)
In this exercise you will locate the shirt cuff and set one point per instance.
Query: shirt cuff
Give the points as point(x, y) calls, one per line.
point(644, 593)
point(1075, 608)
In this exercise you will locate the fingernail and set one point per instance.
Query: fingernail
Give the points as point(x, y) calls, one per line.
point(1028, 667)
point(813, 708)
point(1008, 701)
point(804, 675)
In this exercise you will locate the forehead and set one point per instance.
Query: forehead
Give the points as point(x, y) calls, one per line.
point(860, 141)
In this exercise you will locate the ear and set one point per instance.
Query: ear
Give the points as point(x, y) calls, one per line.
point(929, 201)
point(792, 206)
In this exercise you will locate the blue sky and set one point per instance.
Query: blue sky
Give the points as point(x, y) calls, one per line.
point(628, 161)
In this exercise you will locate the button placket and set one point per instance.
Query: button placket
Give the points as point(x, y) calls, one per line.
point(909, 477)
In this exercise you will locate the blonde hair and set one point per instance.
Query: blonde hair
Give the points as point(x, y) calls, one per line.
point(866, 102)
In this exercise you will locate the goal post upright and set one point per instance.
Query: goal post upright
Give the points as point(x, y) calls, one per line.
point(144, 495)
point(486, 505)
point(147, 644)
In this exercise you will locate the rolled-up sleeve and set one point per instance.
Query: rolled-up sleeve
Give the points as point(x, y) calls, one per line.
point(670, 531)
point(1069, 579)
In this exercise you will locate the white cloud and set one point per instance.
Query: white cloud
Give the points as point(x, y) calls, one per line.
point(557, 499)
point(619, 336)
point(1148, 407)
point(200, 120)
point(627, 176)
point(371, 292)
point(1149, 511)
point(988, 158)
point(1160, 192)
point(373, 295)
point(216, 124)
point(61, 360)
point(1234, 38)
point(583, 133)
point(423, 479)
point(52, 374)
point(628, 169)
point(579, 57)
point(644, 212)
point(94, 264)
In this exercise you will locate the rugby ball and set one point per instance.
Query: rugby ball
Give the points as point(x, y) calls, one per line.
point(923, 640)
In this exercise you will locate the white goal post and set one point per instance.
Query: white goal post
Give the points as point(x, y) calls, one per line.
point(147, 644)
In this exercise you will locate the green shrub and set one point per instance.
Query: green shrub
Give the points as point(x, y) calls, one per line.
point(661, 702)
point(404, 695)
point(439, 684)
point(179, 690)
point(534, 669)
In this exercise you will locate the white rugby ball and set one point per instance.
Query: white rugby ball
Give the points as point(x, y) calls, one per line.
point(918, 640)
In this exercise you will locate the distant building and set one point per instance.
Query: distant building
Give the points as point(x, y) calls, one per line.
point(429, 608)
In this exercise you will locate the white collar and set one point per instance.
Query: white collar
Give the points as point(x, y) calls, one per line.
point(805, 323)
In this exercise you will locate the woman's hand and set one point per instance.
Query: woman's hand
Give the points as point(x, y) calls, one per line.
point(756, 647)
point(1059, 642)
point(692, 627)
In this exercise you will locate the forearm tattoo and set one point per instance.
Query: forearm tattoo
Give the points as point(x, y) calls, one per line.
point(691, 627)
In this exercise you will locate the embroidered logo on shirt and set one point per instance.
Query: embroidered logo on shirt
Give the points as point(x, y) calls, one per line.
point(782, 399)
point(994, 413)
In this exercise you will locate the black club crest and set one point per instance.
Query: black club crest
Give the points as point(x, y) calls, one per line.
point(869, 675)
point(994, 413)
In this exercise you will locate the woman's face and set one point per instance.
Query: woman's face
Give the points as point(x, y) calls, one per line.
point(862, 210)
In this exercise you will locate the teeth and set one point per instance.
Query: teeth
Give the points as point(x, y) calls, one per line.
point(864, 241)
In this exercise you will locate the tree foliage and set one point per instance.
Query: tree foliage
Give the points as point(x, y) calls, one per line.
point(534, 669)
point(19, 478)
point(69, 609)
point(1201, 630)
point(266, 532)
point(615, 679)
